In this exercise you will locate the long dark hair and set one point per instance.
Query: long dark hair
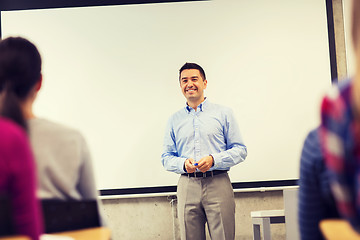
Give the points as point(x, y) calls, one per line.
point(20, 70)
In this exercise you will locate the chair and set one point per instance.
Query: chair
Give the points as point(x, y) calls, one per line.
point(7, 230)
point(291, 213)
point(338, 229)
point(60, 215)
point(6, 223)
point(261, 220)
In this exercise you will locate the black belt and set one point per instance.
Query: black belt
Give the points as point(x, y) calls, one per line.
point(205, 174)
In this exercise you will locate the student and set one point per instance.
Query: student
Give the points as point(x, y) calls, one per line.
point(316, 201)
point(340, 135)
point(63, 160)
point(17, 167)
point(202, 141)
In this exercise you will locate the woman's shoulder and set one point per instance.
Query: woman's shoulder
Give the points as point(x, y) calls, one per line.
point(46, 127)
point(10, 130)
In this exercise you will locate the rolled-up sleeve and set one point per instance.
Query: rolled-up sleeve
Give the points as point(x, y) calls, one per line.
point(236, 150)
point(170, 158)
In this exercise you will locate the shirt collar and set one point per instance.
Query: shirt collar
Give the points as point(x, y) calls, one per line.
point(201, 106)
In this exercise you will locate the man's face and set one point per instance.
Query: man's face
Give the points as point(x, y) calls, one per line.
point(192, 84)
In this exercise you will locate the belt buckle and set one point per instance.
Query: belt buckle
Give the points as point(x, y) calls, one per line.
point(208, 174)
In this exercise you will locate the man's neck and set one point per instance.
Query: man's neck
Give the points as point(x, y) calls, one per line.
point(195, 104)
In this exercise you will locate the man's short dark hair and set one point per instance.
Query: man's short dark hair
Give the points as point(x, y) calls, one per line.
point(193, 66)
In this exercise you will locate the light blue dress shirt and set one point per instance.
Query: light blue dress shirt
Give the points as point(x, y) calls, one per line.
point(210, 130)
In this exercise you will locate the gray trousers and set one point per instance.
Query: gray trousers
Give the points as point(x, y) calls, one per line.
point(206, 200)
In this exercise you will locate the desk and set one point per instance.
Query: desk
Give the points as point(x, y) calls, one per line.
point(15, 238)
point(261, 221)
point(99, 233)
point(338, 229)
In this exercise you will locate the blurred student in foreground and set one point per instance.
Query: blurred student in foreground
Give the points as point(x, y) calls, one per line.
point(316, 201)
point(17, 167)
point(63, 161)
point(340, 136)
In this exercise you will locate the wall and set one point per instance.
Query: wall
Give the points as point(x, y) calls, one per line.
point(255, 53)
point(153, 217)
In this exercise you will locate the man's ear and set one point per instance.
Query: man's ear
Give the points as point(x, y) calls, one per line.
point(39, 83)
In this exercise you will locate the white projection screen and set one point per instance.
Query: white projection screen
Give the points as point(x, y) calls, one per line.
point(112, 73)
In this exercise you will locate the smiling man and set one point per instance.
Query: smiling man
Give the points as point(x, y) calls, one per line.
point(202, 141)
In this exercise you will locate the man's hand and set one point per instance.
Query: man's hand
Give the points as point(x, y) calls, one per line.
point(205, 163)
point(190, 168)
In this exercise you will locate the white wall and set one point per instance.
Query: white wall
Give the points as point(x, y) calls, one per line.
point(152, 218)
point(112, 72)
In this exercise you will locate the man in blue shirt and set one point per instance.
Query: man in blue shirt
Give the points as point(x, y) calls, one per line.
point(202, 141)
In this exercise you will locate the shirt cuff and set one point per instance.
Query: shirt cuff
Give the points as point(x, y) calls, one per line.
point(216, 157)
point(182, 165)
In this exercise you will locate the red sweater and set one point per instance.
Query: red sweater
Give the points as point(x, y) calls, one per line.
point(17, 179)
